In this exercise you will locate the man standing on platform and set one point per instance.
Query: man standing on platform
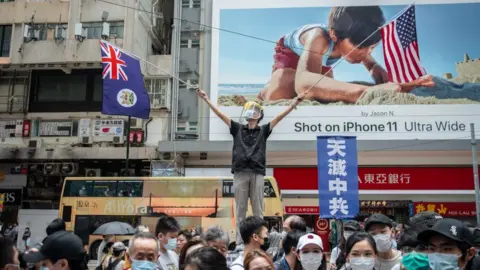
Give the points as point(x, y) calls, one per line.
point(249, 154)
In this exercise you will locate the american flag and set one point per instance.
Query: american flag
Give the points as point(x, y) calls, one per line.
point(111, 57)
point(400, 48)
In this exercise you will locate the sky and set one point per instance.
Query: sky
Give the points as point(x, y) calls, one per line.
point(445, 33)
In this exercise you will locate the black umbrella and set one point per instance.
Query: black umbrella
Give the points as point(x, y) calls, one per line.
point(115, 228)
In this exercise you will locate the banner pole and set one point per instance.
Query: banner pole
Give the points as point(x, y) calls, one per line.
point(475, 171)
point(128, 146)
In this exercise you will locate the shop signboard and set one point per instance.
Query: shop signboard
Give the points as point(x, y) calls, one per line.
point(447, 209)
point(385, 178)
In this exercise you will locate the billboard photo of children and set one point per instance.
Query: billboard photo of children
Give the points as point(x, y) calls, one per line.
point(306, 58)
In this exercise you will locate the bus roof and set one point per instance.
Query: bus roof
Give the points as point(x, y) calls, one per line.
point(166, 178)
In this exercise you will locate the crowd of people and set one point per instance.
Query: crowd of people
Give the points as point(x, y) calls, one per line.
point(426, 242)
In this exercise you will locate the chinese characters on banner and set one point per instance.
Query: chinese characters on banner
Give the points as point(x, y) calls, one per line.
point(337, 177)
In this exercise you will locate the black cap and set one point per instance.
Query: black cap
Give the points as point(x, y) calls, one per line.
point(55, 226)
point(59, 245)
point(424, 220)
point(352, 225)
point(450, 228)
point(476, 237)
point(378, 219)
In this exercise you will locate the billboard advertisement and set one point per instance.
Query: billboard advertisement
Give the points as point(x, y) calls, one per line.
point(387, 72)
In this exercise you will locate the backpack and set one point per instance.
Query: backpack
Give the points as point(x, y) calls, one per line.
point(112, 265)
point(100, 267)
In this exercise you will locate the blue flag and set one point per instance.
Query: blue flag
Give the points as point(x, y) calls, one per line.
point(337, 177)
point(124, 90)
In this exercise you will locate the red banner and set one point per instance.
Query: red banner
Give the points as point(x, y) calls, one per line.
point(385, 178)
point(447, 209)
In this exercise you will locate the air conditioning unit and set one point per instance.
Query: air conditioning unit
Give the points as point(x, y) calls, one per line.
point(35, 143)
point(118, 140)
point(106, 30)
point(51, 169)
point(60, 32)
point(86, 140)
point(69, 168)
point(127, 172)
point(36, 168)
point(93, 172)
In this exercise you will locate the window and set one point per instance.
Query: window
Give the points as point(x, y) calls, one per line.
point(5, 39)
point(131, 188)
point(185, 3)
point(104, 188)
point(158, 92)
point(94, 30)
point(56, 91)
point(196, 3)
point(183, 43)
point(51, 88)
point(78, 188)
point(97, 88)
point(195, 44)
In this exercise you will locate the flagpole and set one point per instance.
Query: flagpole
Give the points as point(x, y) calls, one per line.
point(128, 146)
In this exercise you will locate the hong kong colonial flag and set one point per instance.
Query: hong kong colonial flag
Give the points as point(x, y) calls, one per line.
point(124, 90)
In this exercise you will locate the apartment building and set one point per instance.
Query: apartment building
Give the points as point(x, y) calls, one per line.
point(51, 124)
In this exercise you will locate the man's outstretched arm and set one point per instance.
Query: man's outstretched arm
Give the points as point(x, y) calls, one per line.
point(290, 108)
point(214, 108)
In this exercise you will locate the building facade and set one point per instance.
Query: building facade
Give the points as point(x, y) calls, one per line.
point(51, 124)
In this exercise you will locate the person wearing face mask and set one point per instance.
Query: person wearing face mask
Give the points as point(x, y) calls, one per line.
point(310, 252)
point(414, 252)
point(289, 243)
point(60, 251)
point(143, 252)
point(379, 227)
point(450, 245)
point(361, 252)
point(167, 230)
point(337, 258)
point(254, 234)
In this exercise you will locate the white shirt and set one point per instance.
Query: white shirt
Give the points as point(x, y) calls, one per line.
point(334, 255)
point(238, 263)
point(169, 260)
point(396, 267)
point(382, 264)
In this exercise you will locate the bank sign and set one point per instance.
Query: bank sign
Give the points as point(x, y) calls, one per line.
point(264, 54)
point(11, 196)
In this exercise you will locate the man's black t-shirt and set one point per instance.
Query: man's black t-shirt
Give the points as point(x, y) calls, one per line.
point(249, 147)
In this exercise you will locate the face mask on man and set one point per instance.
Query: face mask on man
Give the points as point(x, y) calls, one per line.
point(172, 244)
point(415, 260)
point(266, 244)
point(383, 241)
point(143, 265)
point(440, 261)
point(362, 263)
point(311, 261)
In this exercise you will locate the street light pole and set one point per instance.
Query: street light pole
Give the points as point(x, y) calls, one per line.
point(475, 171)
